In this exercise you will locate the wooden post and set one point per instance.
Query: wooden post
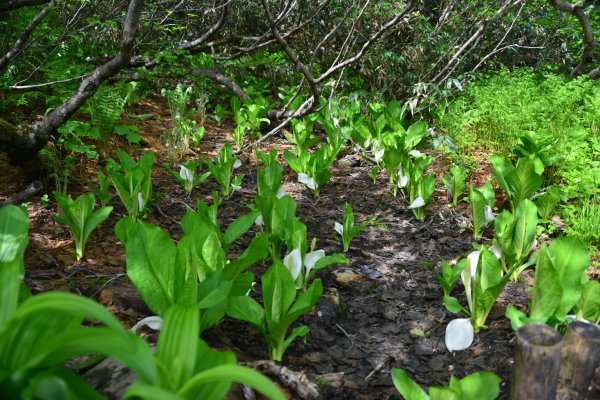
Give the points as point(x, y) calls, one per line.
point(537, 363)
point(580, 358)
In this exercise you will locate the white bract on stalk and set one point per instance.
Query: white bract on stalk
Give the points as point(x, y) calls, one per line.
point(307, 180)
point(418, 202)
point(140, 199)
point(293, 262)
point(186, 174)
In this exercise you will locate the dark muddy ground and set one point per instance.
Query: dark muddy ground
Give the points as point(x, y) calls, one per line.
point(390, 314)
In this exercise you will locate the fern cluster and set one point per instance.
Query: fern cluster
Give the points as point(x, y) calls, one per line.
point(107, 106)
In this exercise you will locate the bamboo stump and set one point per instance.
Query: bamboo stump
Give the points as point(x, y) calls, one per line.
point(580, 358)
point(537, 363)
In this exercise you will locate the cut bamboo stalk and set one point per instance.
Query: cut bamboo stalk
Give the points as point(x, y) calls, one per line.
point(580, 358)
point(537, 363)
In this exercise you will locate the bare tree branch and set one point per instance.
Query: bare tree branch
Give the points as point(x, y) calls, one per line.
point(589, 42)
point(472, 42)
point(26, 141)
point(223, 80)
point(24, 37)
point(213, 29)
point(8, 5)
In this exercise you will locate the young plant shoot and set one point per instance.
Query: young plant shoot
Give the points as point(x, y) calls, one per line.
point(189, 175)
point(347, 230)
point(134, 184)
point(222, 168)
point(81, 218)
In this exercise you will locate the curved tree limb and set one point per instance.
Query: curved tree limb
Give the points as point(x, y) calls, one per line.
point(24, 37)
point(9, 5)
point(589, 42)
point(223, 80)
point(27, 140)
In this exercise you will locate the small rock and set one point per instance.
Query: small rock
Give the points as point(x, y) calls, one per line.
point(347, 278)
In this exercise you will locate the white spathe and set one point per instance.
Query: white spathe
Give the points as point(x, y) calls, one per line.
point(414, 153)
point(310, 259)
point(307, 180)
point(497, 251)
point(417, 203)
point(468, 275)
point(281, 192)
point(379, 155)
point(293, 262)
point(488, 214)
point(259, 220)
point(237, 163)
point(140, 202)
point(339, 228)
point(402, 179)
point(459, 334)
point(154, 323)
point(186, 174)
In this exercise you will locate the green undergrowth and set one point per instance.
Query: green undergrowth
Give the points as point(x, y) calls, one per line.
point(559, 113)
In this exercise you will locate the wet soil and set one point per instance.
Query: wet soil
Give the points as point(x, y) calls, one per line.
point(390, 314)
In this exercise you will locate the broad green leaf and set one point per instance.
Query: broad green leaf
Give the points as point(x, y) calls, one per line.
point(570, 258)
point(477, 203)
point(502, 167)
point(233, 373)
point(548, 290)
point(406, 386)
point(334, 259)
point(247, 309)
point(589, 304)
point(454, 306)
point(14, 226)
point(523, 181)
point(139, 390)
point(299, 331)
point(279, 291)
point(305, 302)
point(60, 383)
point(151, 265)
point(238, 227)
point(177, 346)
point(524, 229)
point(206, 359)
point(482, 385)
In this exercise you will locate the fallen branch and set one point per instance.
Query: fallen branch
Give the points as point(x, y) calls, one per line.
point(31, 190)
point(297, 382)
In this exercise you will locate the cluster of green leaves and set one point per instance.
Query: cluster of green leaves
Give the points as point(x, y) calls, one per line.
point(133, 182)
point(551, 118)
point(347, 230)
point(313, 168)
point(478, 386)
point(80, 216)
point(48, 330)
point(185, 129)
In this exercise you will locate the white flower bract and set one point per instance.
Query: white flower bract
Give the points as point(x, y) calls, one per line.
point(339, 228)
point(293, 262)
point(237, 163)
point(307, 180)
point(310, 259)
point(186, 174)
point(418, 202)
point(459, 334)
